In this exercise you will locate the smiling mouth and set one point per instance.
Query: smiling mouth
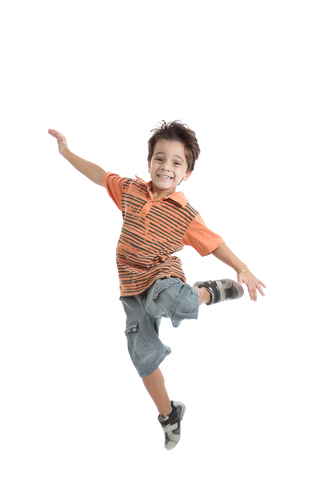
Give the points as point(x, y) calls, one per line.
point(164, 177)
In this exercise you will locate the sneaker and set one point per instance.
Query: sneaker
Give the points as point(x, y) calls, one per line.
point(221, 290)
point(171, 424)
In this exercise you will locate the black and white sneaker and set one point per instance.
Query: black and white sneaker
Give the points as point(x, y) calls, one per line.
point(221, 290)
point(171, 424)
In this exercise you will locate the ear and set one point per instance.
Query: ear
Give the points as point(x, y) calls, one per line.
point(186, 177)
point(149, 167)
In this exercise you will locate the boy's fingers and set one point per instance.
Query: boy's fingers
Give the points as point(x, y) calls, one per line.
point(260, 290)
point(251, 292)
point(55, 133)
point(253, 287)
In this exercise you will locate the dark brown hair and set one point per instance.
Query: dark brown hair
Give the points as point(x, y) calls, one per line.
point(176, 131)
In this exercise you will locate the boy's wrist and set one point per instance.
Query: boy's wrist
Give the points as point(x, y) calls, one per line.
point(66, 153)
point(240, 267)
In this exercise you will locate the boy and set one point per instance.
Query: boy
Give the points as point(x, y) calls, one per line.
point(157, 222)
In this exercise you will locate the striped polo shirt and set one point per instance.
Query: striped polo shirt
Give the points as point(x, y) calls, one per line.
point(154, 229)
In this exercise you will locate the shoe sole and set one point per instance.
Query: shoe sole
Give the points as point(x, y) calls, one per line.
point(228, 284)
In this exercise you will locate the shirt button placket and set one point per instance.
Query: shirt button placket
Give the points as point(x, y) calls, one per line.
point(146, 208)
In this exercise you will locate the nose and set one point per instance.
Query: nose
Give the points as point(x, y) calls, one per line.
point(165, 166)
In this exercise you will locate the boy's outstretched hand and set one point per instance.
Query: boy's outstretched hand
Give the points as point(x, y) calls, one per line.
point(62, 143)
point(224, 254)
point(253, 284)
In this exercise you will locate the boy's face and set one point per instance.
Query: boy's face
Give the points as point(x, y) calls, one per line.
point(168, 166)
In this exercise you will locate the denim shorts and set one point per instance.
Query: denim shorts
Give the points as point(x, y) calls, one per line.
point(165, 298)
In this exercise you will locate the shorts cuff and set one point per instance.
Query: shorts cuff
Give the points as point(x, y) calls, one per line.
point(148, 371)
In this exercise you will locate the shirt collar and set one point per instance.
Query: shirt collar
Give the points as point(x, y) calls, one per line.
point(177, 196)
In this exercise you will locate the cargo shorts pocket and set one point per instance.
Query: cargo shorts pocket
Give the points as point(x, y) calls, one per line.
point(137, 345)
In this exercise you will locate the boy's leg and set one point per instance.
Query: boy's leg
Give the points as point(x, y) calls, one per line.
point(155, 385)
point(204, 295)
point(171, 412)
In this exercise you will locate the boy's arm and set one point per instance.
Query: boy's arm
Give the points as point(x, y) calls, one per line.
point(90, 170)
point(224, 254)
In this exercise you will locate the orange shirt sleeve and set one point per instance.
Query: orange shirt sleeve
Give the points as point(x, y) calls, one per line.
point(200, 237)
point(114, 185)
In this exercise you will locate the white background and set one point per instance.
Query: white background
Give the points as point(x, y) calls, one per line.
point(255, 80)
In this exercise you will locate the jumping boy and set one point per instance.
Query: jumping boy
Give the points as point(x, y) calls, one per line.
point(157, 222)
